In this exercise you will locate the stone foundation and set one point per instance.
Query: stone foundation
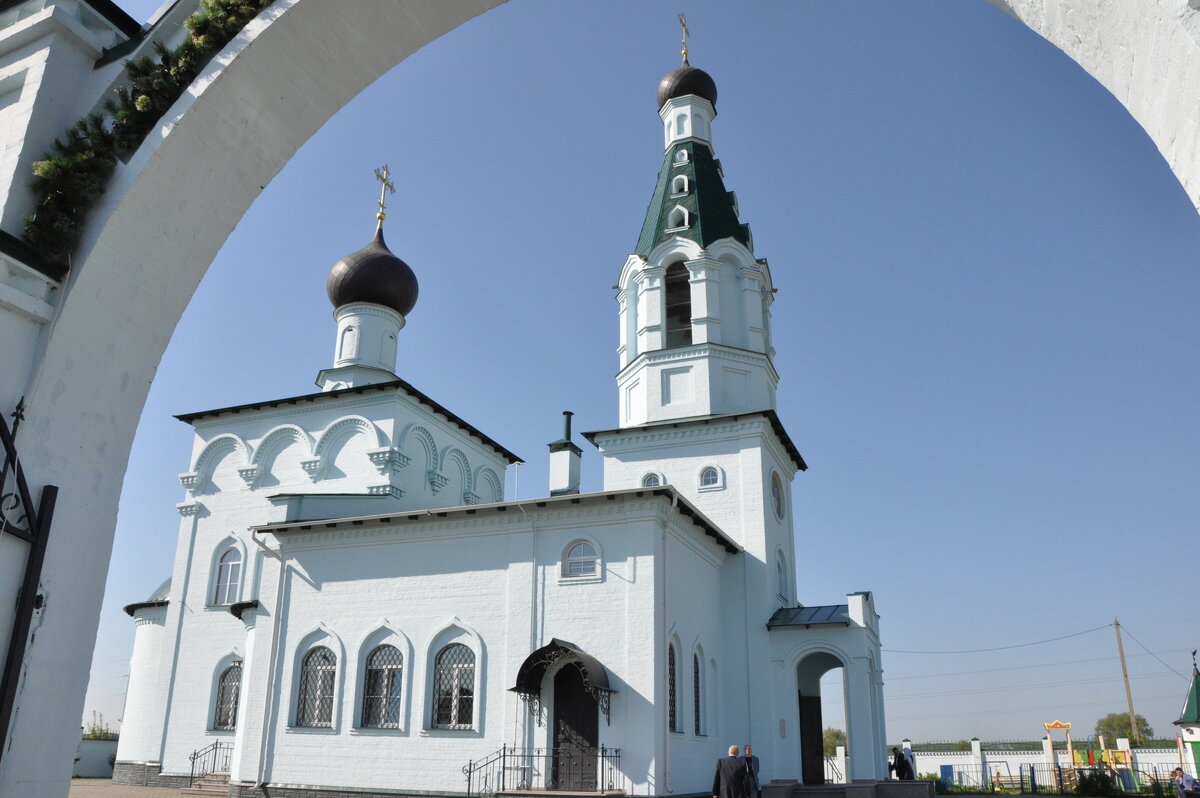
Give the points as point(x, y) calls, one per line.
point(146, 774)
point(269, 791)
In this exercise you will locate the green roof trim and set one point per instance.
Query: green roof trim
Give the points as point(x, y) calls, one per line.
point(710, 206)
point(1191, 706)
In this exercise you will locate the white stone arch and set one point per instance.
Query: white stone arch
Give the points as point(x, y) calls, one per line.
point(418, 437)
point(344, 428)
point(229, 658)
point(216, 449)
point(384, 632)
point(455, 631)
point(319, 635)
point(268, 449)
point(278, 439)
point(674, 249)
point(487, 479)
point(453, 457)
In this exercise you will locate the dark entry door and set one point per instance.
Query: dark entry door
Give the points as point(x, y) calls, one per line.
point(576, 733)
point(812, 749)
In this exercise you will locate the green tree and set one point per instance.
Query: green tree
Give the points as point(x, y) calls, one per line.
point(832, 738)
point(1116, 724)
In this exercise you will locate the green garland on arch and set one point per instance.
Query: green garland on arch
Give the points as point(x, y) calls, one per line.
point(69, 179)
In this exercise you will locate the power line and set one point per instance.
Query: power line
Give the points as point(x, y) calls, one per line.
point(1020, 667)
point(1151, 653)
point(1016, 710)
point(1017, 687)
point(1002, 648)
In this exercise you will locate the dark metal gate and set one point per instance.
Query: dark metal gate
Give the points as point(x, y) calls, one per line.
point(31, 524)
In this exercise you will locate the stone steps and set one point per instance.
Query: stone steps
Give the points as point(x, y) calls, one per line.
point(211, 785)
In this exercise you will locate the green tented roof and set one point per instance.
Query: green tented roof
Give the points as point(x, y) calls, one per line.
point(711, 206)
point(1191, 706)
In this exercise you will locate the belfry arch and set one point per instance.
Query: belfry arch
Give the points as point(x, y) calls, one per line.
point(127, 290)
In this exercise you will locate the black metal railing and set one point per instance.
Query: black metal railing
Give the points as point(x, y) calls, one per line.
point(22, 519)
point(576, 769)
point(213, 759)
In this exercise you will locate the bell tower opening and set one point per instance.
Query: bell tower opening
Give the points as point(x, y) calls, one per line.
point(678, 306)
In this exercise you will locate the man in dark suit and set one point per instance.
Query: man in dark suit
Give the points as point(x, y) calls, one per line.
point(752, 769)
point(731, 780)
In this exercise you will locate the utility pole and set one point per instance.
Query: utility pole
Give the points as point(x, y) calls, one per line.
point(1133, 728)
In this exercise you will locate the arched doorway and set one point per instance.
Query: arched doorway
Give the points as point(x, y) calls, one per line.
point(576, 731)
point(809, 673)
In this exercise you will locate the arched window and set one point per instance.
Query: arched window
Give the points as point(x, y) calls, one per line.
point(677, 219)
point(229, 685)
point(581, 560)
point(781, 579)
point(679, 306)
point(679, 184)
point(681, 121)
point(681, 155)
point(709, 477)
point(651, 481)
point(672, 690)
point(229, 576)
point(454, 687)
point(317, 679)
point(697, 696)
point(383, 688)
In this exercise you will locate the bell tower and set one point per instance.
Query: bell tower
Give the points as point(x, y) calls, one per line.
point(694, 300)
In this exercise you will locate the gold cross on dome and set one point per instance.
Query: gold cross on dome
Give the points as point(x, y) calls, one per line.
point(686, 33)
point(387, 186)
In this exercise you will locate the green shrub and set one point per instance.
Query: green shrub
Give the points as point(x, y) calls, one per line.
point(1096, 783)
point(73, 175)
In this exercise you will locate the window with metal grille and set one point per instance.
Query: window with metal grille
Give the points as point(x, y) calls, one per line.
point(454, 687)
point(678, 306)
point(228, 686)
point(672, 711)
point(229, 574)
point(581, 560)
point(383, 689)
point(697, 695)
point(317, 674)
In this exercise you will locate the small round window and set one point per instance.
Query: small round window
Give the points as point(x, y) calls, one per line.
point(777, 495)
point(651, 481)
point(709, 477)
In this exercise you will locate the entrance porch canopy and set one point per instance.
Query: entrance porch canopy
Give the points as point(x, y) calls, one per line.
point(533, 671)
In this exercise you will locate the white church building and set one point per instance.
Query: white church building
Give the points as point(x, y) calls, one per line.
point(357, 609)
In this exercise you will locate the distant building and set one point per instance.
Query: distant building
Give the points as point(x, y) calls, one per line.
point(356, 606)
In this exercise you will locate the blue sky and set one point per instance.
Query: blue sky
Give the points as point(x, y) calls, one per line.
point(985, 326)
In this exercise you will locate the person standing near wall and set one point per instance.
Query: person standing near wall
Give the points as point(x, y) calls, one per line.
point(752, 770)
point(731, 779)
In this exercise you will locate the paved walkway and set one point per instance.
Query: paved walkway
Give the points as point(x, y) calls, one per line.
point(104, 788)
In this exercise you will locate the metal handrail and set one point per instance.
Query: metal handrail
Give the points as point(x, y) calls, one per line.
point(213, 759)
point(564, 768)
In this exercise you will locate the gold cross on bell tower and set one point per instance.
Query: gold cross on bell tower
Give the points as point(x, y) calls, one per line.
point(386, 186)
point(686, 32)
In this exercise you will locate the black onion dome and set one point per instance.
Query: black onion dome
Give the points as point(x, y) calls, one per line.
point(687, 80)
point(375, 275)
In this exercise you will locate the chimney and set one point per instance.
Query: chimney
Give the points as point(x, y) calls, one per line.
point(564, 462)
